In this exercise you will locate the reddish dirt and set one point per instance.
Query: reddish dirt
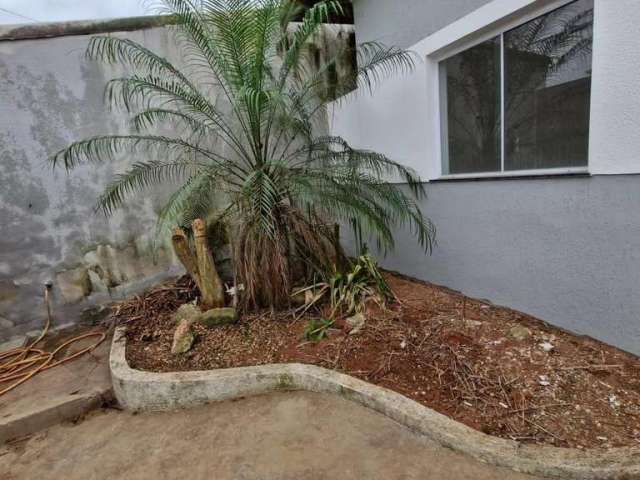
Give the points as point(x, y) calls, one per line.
point(449, 352)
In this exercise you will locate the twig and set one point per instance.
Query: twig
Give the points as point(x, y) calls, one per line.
point(540, 427)
point(538, 407)
point(591, 367)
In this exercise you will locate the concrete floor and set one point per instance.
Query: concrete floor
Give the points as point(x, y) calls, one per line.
point(283, 436)
point(61, 393)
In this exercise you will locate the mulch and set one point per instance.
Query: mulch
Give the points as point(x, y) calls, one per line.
point(454, 354)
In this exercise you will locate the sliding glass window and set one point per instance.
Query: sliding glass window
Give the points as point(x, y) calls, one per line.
point(520, 101)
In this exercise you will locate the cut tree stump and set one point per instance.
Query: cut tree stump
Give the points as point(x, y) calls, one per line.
point(185, 255)
point(210, 285)
point(199, 264)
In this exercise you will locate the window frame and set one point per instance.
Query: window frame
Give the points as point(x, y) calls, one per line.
point(491, 21)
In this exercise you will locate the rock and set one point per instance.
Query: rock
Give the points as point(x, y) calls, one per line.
point(519, 333)
point(188, 311)
point(546, 346)
point(472, 323)
point(74, 284)
point(613, 401)
point(218, 316)
point(94, 315)
point(355, 324)
point(544, 380)
point(183, 337)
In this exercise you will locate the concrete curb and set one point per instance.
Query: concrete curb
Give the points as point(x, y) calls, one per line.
point(138, 390)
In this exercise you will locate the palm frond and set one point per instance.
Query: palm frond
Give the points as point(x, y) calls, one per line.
point(139, 177)
point(377, 62)
point(197, 197)
point(104, 148)
point(238, 133)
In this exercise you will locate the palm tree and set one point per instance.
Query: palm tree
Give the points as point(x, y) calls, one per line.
point(246, 114)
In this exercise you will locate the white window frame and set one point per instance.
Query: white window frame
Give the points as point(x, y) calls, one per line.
point(490, 21)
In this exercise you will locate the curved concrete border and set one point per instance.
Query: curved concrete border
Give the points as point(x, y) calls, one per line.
point(138, 390)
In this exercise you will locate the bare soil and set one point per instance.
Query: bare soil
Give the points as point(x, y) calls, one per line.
point(454, 354)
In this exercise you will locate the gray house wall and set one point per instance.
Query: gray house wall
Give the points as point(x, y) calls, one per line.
point(50, 96)
point(404, 22)
point(565, 249)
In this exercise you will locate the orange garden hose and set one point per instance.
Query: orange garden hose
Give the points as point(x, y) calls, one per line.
point(22, 363)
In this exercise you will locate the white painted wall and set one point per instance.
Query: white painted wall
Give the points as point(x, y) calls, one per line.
point(402, 118)
point(419, 18)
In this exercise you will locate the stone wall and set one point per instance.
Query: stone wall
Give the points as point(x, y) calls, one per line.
point(50, 96)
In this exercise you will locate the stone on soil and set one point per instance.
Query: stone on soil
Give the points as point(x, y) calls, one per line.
point(547, 347)
point(355, 324)
point(472, 323)
point(519, 333)
point(218, 316)
point(188, 311)
point(183, 337)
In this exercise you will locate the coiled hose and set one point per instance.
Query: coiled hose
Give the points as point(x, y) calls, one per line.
point(22, 363)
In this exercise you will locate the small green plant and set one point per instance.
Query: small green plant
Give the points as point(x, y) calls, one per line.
point(350, 291)
point(317, 328)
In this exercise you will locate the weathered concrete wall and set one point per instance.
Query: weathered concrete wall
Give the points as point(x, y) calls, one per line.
point(50, 95)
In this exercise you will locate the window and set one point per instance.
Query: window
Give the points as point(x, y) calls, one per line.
point(520, 101)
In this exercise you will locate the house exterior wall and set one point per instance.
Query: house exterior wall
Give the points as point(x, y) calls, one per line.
point(565, 249)
point(50, 96)
point(403, 23)
point(615, 93)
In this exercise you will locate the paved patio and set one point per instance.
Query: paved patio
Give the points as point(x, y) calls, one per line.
point(61, 393)
point(283, 436)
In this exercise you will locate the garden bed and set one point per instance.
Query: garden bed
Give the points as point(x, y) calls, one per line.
point(496, 370)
